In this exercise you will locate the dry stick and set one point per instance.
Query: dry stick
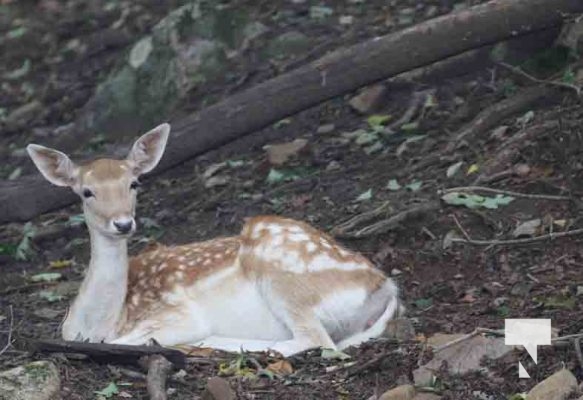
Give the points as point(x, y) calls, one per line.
point(158, 369)
point(541, 238)
point(518, 71)
point(386, 225)
point(10, 328)
point(346, 226)
point(577, 344)
point(461, 228)
point(506, 192)
point(476, 332)
point(490, 117)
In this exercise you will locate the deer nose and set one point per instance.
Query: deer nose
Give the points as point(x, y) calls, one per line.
point(123, 226)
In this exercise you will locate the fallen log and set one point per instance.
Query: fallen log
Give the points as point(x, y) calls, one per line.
point(108, 353)
point(334, 74)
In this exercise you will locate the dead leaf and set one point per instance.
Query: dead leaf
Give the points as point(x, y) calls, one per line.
point(215, 181)
point(281, 367)
point(213, 169)
point(528, 228)
point(57, 264)
point(279, 154)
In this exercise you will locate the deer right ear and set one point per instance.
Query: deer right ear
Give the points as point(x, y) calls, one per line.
point(55, 166)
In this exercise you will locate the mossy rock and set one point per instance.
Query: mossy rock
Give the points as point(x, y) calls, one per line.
point(38, 380)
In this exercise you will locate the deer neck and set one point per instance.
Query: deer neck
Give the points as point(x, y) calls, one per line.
point(98, 307)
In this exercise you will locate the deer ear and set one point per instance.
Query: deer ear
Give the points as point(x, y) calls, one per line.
point(148, 149)
point(55, 166)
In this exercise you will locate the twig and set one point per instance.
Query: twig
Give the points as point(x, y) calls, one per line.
point(518, 71)
point(541, 238)
point(461, 228)
point(158, 369)
point(577, 344)
point(567, 337)
point(506, 192)
point(476, 332)
point(10, 328)
point(370, 363)
point(386, 225)
point(346, 226)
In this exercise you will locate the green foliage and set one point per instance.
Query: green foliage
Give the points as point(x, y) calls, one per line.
point(476, 201)
point(46, 277)
point(108, 391)
point(423, 303)
point(24, 249)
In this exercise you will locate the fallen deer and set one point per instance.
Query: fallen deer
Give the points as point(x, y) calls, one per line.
point(280, 284)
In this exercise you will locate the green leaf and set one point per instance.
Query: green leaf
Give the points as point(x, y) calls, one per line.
point(476, 201)
point(50, 296)
point(19, 72)
point(320, 12)
point(569, 76)
point(108, 391)
point(377, 121)
point(77, 219)
point(46, 277)
point(423, 303)
point(277, 176)
point(24, 249)
point(393, 185)
point(414, 186)
point(282, 122)
point(366, 138)
point(366, 196)
point(503, 311)
point(235, 163)
point(374, 148)
point(411, 126)
point(17, 32)
point(331, 354)
point(7, 249)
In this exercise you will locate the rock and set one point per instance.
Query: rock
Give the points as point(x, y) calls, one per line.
point(218, 389)
point(189, 46)
point(288, 44)
point(37, 380)
point(326, 128)
point(369, 99)
point(278, 154)
point(399, 329)
point(333, 166)
point(556, 387)
point(47, 313)
point(464, 356)
point(403, 392)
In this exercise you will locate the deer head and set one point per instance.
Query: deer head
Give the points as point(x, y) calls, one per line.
point(107, 187)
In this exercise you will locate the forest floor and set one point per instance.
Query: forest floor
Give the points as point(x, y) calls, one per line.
point(451, 288)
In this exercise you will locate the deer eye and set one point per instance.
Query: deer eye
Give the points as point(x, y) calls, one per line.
point(134, 185)
point(87, 193)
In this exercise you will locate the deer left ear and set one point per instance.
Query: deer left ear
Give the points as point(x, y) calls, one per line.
point(148, 149)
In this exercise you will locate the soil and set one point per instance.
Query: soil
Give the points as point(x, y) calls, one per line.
point(451, 289)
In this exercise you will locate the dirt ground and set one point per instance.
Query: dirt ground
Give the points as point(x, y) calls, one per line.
point(447, 290)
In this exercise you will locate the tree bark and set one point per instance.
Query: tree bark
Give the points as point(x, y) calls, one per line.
point(332, 75)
